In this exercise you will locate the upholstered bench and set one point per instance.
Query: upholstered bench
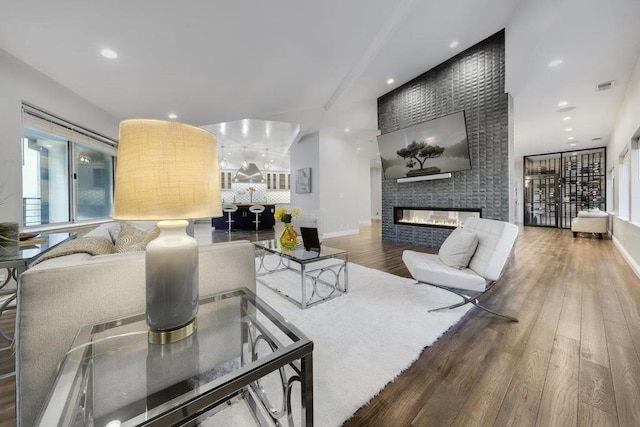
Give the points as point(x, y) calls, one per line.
point(593, 221)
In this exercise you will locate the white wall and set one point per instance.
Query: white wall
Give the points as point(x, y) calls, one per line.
point(343, 172)
point(376, 192)
point(626, 234)
point(20, 82)
point(517, 189)
point(364, 187)
point(339, 173)
point(306, 154)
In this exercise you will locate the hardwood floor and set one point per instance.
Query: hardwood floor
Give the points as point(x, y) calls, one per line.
point(573, 359)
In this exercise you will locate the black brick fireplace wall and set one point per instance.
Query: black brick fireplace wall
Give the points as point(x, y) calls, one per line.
point(474, 81)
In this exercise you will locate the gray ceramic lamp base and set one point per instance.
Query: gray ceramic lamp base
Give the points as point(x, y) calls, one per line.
point(171, 265)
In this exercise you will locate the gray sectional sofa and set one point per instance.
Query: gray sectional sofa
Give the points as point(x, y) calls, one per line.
point(58, 296)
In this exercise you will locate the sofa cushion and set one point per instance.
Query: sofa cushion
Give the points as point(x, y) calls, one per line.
point(132, 238)
point(596, 213)
point(91, 245)
point(458, 248)
point(105, 230)
point(142, 225)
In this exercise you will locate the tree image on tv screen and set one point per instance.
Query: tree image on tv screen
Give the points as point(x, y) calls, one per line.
point(419, 153)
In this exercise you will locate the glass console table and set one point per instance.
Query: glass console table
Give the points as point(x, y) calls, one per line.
point(243, 353)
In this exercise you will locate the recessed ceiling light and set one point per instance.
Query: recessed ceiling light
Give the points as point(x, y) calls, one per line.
point(568, 129)
point(555, 62)
point(571, 138)
point(573, 144)
point(109, 53)
point(565, 109)
point(566, 118)
point(347, 130)
point(563, 104)
point(389, 81)
point(172, 116)
point(453, 44)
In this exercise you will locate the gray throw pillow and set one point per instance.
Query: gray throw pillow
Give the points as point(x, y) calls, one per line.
point(458, 249)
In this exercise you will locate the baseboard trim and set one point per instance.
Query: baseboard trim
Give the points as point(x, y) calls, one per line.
point(339, 233)
point(365, 222)
point(632, 263)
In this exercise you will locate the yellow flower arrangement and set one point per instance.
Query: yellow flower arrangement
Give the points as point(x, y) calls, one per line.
point(252, 189)
point(286, 216)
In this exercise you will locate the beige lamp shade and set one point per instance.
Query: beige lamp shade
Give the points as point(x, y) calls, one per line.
point(166, 170)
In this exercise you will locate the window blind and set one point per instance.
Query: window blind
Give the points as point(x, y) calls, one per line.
point(36, 119)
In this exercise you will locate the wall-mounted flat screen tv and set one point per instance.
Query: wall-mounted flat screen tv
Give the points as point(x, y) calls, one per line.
point(433, 147)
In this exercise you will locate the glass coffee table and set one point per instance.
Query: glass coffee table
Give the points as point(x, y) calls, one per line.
point(243, 353)
point(324, 274)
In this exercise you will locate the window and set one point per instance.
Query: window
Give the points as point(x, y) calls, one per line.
point(634, 182)
point(624, 181)
point(67, 171)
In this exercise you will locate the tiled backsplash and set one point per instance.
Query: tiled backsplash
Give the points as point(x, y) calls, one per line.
point(259, 196)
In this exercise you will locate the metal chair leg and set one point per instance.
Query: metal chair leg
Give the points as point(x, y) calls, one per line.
point(468, 300)
point(229, 220)
point(504, 316)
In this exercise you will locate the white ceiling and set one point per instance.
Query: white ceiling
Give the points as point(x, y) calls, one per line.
point(255, 141)
point(222, 61)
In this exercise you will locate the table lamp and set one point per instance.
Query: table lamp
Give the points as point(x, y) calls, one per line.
point(168, 171)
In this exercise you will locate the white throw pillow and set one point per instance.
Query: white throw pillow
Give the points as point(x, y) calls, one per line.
point(458, 249)
point(131, 239)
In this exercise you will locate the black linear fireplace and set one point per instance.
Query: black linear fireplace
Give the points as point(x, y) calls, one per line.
point(434, 217)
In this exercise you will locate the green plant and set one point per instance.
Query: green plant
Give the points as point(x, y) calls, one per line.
point(286, 216)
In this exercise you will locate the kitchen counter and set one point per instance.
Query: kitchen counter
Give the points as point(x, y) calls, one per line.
point(244, 220)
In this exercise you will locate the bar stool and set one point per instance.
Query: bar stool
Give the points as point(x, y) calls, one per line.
point(229, 209)
point(256, 209)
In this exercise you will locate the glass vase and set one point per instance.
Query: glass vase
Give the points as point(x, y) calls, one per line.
point(289, 238)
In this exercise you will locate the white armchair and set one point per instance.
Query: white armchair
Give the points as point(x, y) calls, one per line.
point(495, 242)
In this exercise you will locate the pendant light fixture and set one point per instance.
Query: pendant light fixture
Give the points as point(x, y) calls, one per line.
point(223, 162)
point(245, 165)
point(266, 159)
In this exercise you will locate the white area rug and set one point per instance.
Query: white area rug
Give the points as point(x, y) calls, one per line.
point(365, 338)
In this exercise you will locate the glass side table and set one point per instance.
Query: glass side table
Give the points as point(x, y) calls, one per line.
point(243, 353)
point(17, 263)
